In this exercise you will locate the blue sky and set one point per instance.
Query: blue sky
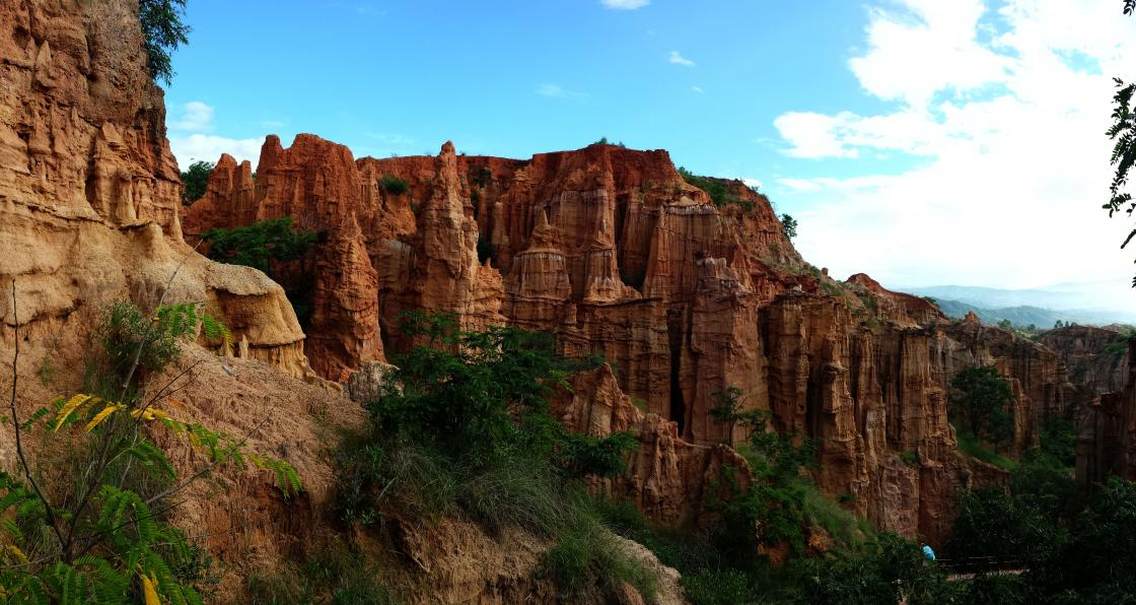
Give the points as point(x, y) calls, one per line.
point(904, 134)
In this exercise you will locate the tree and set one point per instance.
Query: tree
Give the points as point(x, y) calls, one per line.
point(1123, 133)
point(257, 244)
point(1006, 324)
point(194, 181)
point(789, 226)
point(163, 31)
point(981, 397)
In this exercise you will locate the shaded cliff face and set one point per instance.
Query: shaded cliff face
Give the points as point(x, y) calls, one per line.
point(611, 250)
point(1037, 374)
point(1095, 358)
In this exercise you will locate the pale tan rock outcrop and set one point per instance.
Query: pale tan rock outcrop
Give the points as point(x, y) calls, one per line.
point(90, 194)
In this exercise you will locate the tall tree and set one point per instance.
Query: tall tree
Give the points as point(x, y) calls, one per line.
point(164, 32)
point(1123, 133)
point(980, 397)
point(194, 181)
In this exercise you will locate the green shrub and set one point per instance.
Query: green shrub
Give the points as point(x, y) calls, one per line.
point(463, 426)
point(583, 455)
point(789, 226)
point(257, 244)
point(910, 458)
point(98, 530)
point(973, 447)
point(517, 492)
point(889, 570)
point(393, 185)
point(588, 556)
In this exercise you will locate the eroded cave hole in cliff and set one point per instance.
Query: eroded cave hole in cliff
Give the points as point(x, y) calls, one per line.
point(674, 337)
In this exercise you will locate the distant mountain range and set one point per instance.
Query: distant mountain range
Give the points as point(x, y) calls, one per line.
point(1092, 303)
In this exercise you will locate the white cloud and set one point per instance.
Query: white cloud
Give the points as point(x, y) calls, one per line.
point(1006, 136)
point(676, 58)
point(752, 183)
point(697, 89)
point(196, 116)
point(207, 148)
point(626, 5)
point(192, 139)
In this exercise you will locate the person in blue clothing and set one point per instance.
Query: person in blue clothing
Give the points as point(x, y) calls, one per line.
point(928, 553)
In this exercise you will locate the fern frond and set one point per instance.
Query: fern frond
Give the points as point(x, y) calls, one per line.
point(214, 329)
point(35, 417)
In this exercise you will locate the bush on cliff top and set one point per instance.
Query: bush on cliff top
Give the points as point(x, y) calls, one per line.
point(463, 426)
point(393, 185)
point(718, 189)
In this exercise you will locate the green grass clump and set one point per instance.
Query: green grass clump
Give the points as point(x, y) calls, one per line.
point(587, 556)
point(973, 447)
point(718, 587)
point(332, 573)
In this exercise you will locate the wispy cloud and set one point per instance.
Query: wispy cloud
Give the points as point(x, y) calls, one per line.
point(192, 139)
point(697, 89)
point(195, 116)
point(556, 91)
point(624, 5)
point(207, 148)
point(676, 58)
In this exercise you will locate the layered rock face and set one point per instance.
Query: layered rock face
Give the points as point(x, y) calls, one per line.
point(90, 194)
point(1036, 373)
point(616, 254)
point(1106, 443)
point(1095, 358)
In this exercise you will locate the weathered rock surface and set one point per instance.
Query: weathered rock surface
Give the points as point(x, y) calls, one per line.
point(609, 249)
point(612, 251)
point(1106, 443)
point(89, 192)
point(1095, 358)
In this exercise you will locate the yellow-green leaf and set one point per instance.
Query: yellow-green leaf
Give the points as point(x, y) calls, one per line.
point(76, 402)
point(103, 415)
point(149, 591)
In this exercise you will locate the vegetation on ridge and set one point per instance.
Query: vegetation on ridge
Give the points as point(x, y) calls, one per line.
point(463, 427)
point(88, 520)
point(719, 190)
